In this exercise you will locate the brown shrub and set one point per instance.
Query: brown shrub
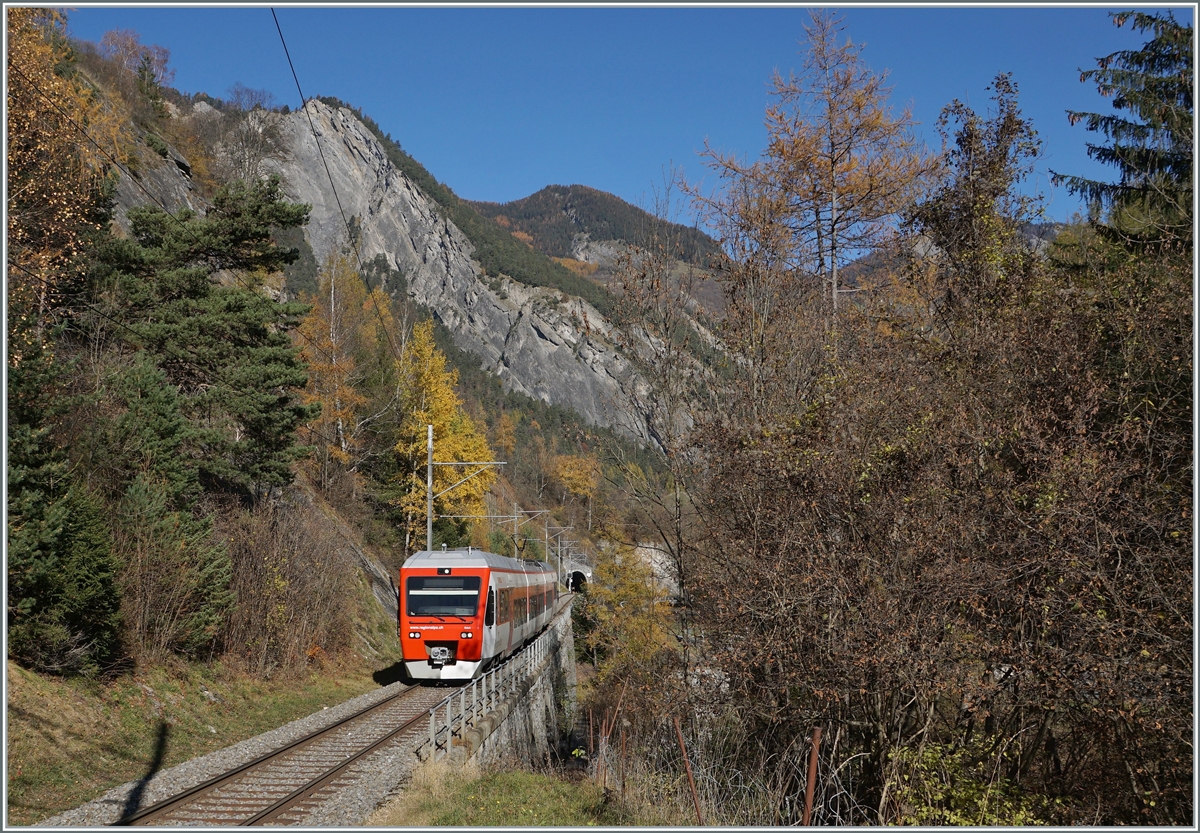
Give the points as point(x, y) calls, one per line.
point(294, 578)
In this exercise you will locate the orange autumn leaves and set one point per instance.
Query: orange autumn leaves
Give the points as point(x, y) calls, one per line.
point(372, 375)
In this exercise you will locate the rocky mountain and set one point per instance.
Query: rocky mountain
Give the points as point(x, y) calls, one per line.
point(537, 340)
point(575, 221)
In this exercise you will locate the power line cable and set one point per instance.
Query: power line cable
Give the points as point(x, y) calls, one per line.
point(349, 234)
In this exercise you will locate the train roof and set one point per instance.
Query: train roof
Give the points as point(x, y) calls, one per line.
point(473, 557)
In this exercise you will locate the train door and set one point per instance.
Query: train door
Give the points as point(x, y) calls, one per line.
point(489, 624)
point(504, 622)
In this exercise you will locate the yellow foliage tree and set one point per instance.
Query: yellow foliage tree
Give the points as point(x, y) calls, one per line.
point(628, 635)
point(505, 432)
point(53, 171)
point(331, 335)
point(344, 338)
point(428, 398)
point(580, 475)
point(838, 168)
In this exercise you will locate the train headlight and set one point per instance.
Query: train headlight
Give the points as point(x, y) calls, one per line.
point(414, 635)
point(465, 634)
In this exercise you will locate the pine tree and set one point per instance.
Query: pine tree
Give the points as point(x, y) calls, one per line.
point(223, 346)
point(1151, 147)
point(64, 609)
point(175, 579)
point(151, 434)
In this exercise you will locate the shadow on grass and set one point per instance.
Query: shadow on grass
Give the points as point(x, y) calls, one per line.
point(134, 802)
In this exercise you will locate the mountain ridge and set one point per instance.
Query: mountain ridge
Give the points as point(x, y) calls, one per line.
point(562, 220)
point(544, 330)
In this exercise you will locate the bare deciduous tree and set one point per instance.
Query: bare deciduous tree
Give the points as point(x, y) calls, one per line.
point(251, 134)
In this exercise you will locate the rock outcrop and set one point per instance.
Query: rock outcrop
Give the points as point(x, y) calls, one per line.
point(603, 253)
point(160, 179)
point(536, 340)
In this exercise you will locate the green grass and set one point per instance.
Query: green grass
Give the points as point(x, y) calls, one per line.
point(525, 799)
point(69, 741)
point(439, 796)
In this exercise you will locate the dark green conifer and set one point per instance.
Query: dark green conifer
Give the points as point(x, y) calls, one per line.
point(62, 606)
point(64, 610)
point(137, 425)
point(176, 582)
point(1151, 146)
point(188, 286)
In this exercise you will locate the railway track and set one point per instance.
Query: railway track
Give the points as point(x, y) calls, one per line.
point(283, 787)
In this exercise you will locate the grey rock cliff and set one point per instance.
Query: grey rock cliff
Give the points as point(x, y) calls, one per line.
point(560, 350)
point(165, 181)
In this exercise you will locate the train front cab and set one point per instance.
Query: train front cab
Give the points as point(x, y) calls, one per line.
point(457, 620)
point(442, 630)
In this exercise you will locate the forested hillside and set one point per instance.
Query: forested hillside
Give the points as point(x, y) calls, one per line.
point(186, 383)
point(152, 407)
point(557, 217)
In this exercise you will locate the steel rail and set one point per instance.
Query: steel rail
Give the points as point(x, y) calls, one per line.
point(217, 780)
point(284, 804)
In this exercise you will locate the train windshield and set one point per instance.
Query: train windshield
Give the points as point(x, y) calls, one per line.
point(442, 595)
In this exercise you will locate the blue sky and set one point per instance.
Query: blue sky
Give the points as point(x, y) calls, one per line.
point(498, 102)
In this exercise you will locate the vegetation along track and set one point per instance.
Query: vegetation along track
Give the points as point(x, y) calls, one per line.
point(284, 786)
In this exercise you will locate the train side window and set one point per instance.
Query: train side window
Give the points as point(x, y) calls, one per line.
point(504, 614)
point(489, 614)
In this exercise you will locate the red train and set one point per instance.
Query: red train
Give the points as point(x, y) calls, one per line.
point(463, 610)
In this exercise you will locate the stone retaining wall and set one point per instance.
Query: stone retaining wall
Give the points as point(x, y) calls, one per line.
point(528, 727)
